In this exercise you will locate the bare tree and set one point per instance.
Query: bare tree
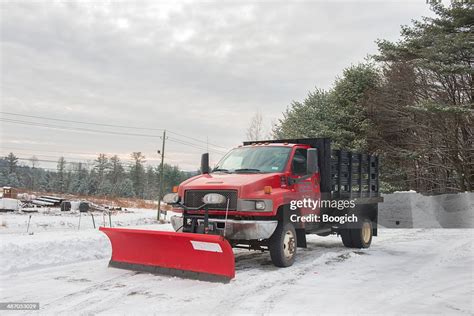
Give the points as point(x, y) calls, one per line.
point(255, 129)
point(34, 162)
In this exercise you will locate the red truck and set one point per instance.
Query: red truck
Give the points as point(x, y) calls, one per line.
point(262, 195)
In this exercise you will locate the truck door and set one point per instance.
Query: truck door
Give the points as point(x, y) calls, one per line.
point(304, 189)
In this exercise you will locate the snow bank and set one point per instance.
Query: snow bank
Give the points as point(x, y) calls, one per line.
point(27, 252)
point(414, 210)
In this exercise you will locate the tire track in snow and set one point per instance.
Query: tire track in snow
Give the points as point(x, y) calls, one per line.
point(64, 302)
point(272, 280)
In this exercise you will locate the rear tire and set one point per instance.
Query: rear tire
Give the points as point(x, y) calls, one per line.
point(360, 237)
point(346, 237)
point(282, 245)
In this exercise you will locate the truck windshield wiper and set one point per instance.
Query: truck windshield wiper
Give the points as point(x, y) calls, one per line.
point(247, 170)
point(221, 170)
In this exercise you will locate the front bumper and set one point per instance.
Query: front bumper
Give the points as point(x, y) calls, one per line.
point(236, 229)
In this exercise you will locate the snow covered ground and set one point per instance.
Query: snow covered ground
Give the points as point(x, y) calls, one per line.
point(63, 266)
point(52, 219)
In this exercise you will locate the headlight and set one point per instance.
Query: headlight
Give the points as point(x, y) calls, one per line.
point(260, 205)
point(171, 198)
point(214, 198)
point(263, 205)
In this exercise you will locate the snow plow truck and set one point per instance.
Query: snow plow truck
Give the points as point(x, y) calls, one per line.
point(262, 195)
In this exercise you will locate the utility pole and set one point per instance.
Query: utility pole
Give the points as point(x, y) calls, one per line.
point(160, 191)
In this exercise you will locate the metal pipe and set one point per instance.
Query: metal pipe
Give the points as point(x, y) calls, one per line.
point(226, 213)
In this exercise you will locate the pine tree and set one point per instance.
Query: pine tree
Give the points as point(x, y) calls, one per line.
point(436, 56)
point(137, 173)
point(61, 175)
point(12, 162)
point(101, 166)
point(116, 170)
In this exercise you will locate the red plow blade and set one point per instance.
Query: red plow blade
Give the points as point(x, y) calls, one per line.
point(196, 256)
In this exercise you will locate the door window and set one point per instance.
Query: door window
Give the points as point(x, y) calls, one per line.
point(298, 165)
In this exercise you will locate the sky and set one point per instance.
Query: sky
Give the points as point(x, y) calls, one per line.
point(199, 69)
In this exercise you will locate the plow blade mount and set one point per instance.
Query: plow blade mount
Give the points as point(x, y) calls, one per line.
point(196, 256)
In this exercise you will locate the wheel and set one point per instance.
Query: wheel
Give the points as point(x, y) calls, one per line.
point(360, 237)
point(346, 237)
point(283, 245)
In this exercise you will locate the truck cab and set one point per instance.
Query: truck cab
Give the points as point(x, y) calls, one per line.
point(262, 196)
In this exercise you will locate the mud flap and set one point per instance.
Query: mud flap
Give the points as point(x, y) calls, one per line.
point(187, 255)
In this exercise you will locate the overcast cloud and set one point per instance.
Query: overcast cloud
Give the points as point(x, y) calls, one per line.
point(201, 69)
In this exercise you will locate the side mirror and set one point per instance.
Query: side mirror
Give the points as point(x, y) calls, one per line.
point(205, 163)
point(311, 161)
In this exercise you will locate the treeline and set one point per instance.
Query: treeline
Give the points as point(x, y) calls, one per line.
point(105, 176)
point(412, 104)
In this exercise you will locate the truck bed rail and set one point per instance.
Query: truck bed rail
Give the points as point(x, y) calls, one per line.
point(354, 175)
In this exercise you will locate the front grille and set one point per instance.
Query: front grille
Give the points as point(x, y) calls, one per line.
point(193, 198)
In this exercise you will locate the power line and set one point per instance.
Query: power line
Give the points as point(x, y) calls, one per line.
point(65, 157)
point(64, 153)
point(50, 151)
point(43, 168)
point(54, 161)
point(81, 122)
point(68, 160)
point(49, 156)
point(123, 162)
point(79, 129)
point(179, 141)
point(110, 125)
point(195, 139)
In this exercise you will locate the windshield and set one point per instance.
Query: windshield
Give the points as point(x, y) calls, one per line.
point(254, 159)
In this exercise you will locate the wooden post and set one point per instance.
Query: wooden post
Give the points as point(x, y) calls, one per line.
point(160, 192)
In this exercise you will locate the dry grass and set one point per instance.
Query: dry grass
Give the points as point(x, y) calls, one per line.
point(103, 200)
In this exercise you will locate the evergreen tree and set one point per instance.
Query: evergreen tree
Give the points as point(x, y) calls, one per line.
point(61, 175)
point(125, 188)
point(34, 172)
point(339, 114)
point(137, 173)
point(12, 163)
point(101, 166)
point(116, 170)
point(435, 56)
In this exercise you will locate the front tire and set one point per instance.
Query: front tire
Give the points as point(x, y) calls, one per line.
point(360, 237)
point(282, 245)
